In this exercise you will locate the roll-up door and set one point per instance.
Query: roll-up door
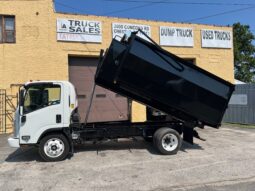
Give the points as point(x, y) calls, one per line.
point(106, 105)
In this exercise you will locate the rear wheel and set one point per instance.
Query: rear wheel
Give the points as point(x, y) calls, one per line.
point(167, 141)
point(54, 147)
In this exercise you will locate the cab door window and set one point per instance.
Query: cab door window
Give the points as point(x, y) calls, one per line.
point(41, 96)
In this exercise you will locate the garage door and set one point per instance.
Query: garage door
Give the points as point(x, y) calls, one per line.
point(106, 105)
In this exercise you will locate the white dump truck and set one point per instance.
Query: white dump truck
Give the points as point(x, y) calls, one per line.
point(47, 114)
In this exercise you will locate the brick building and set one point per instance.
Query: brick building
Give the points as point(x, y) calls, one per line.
point(38, 43)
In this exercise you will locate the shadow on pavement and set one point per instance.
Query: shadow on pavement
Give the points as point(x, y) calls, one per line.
point(188, 146)
point(31, 154)
point(24, 155)
point(129, 144)
point(123, 144)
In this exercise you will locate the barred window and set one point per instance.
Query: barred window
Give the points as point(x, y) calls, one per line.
point(7, 29)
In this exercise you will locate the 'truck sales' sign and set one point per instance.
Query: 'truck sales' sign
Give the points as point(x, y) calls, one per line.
point(79, 30)
point(121, 28)
point(176, 36)
point(216, 38)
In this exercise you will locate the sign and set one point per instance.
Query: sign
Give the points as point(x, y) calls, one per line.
point(238, 99)
point(121, 28)
point(216, 38)
point(176, 36)
point(79, 30)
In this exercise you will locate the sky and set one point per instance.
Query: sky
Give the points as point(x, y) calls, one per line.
point(217, 12)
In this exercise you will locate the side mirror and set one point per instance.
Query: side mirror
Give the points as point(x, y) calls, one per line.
point(21, 101)
point(21, 97)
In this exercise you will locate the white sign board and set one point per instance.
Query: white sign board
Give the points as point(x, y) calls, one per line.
point(216, 38)
point(176, 36)
point(121, 28)
point(238, 99)
point(79, 30)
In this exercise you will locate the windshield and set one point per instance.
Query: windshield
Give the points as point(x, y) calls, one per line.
point(39, 96)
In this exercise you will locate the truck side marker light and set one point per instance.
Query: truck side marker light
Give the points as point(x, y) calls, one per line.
point(25, 138)
point(75, 135)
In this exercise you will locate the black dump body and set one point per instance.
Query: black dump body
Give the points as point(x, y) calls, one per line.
point(144, 72)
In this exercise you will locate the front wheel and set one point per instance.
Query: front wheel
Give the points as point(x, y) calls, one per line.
point(54, 147)
point(167, 141)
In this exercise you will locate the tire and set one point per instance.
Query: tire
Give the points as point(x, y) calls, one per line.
point(167, 141)
point(54, 147)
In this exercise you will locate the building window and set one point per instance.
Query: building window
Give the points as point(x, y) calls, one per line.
point(7, 29)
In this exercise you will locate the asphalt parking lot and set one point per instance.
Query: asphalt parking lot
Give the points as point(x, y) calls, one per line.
point(225, 161)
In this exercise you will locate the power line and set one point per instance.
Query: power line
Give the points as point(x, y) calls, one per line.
point(108, 13)
point(67, 6)
point(112, 12)
point(155, 2)
point(131, 8)
point(181, 2)
point(150, 3)
point(219, 14)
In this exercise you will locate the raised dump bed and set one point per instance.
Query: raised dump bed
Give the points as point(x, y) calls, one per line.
point(144, 72)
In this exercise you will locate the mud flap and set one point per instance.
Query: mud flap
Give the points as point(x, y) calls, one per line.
point(188, 133)
point(67, 132)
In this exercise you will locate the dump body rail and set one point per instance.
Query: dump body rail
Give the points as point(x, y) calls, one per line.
point(148, 74)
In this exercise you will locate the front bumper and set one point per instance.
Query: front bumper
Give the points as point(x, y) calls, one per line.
point(13, 142)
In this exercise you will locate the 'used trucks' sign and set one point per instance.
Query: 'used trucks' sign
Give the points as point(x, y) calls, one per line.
point(216, 38)
point(121, 28)
point(173, 36)
point(79, 30)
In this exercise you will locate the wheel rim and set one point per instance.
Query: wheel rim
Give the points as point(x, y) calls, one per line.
point(54, 147)
point(170, 142)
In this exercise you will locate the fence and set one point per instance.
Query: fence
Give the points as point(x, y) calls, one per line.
point(241, 108)
point(2, 111)
point(7, 109)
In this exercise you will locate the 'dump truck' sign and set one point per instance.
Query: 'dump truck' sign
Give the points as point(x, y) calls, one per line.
point(176, 36)
point(216, 38)
point(79, 30)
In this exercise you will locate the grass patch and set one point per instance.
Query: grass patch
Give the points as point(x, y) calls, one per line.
point(239, 125)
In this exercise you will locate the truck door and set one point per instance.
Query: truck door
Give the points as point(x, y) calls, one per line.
point(42, 110)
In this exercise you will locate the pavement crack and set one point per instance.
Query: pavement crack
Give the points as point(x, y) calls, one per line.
point(214, 183)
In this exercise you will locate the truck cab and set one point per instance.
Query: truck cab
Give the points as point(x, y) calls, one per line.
point(44, 107)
